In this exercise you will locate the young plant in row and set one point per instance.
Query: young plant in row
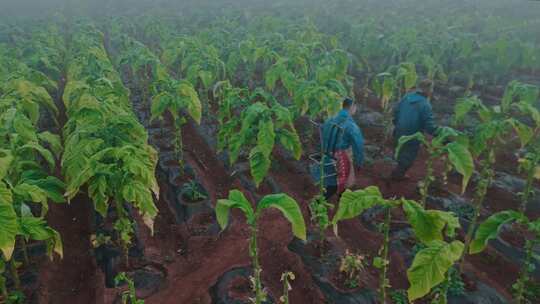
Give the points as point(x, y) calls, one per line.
point(129, 296)
point(529, 134)
point(262, 123)
point(194, 60)
point(143, 65)
point(431, 227)
point(282, 202)
point(26, 157)
point(490, 229)
point(448, 146)
point(493, 124)
point(250, 53)
point(176, 97)
point(395, 82)
point(286, 278)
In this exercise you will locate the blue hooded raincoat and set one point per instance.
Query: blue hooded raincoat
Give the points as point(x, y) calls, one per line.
point(341, 133)
point(412, 114)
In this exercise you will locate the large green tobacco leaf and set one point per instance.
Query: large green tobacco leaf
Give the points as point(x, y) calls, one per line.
point(160, 103)
point(290, 210)
point(531, 110)
point(464, 106)
point(140, 196)
point(519, 92)
point(9, 226)
point(430, 266)
point(27, 90)
point(6, 158)
point(79, 178)
point(259, 163)
point(34, 228)
point(407, 72)
point(24, 128)
point(191, 100)
point(274, 74)
point(490, 228)
point(352, 204)
point(31, 193)
point(384, 85)
point(409, 138)
point(291, 142)
point(46, 154)
point(52, 186)
point(524, 132)
point(428, 225)
point(236, 200)
point(266, 137)
point(53, 140)
point(462, 160)
point(97, 190)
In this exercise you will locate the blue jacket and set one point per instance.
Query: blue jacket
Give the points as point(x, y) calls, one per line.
point(341, 133)
point(413, 114)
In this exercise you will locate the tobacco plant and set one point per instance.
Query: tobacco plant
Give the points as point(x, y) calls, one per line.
point(490, 229)
point(394, 83)
point(352, 266)
point(522, 97)
point(282, 202)
point(493, 124)
point(431, 228)
point(143, 65)
point(129, 296)
point(255, 122)
point(26, 157)
point(319, 209)
point(194, 60)
point(176, 97)
point(286, 277)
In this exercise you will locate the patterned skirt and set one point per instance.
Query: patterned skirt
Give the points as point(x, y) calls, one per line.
point(343, 167)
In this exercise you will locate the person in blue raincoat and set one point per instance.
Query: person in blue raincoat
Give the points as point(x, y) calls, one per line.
point(412, 114)
point(341, 137)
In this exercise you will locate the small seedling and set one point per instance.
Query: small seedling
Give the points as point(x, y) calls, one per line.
point(129, 296)
point(319, 208)
point(193, 191)
point(286, 277)
point(352, 265)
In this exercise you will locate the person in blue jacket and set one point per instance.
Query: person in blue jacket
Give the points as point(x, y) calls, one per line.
point(412, 114)
point(340, 135)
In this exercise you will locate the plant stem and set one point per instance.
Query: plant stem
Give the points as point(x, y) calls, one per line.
point(15, 274)
point(3, 289)
point(426, 183)
point(524, 274)
point(178, 148)
point(121, 213)
point(254, 252)
point(528, 189)
point(322, 189)
point(25, 252)
point(486, 177)
point(285, 278)
point(386, 230)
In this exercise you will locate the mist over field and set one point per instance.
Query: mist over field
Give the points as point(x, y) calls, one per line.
point(258, 151)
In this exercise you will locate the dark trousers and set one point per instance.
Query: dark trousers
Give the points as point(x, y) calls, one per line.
point(330, 191)
point(406, 158)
